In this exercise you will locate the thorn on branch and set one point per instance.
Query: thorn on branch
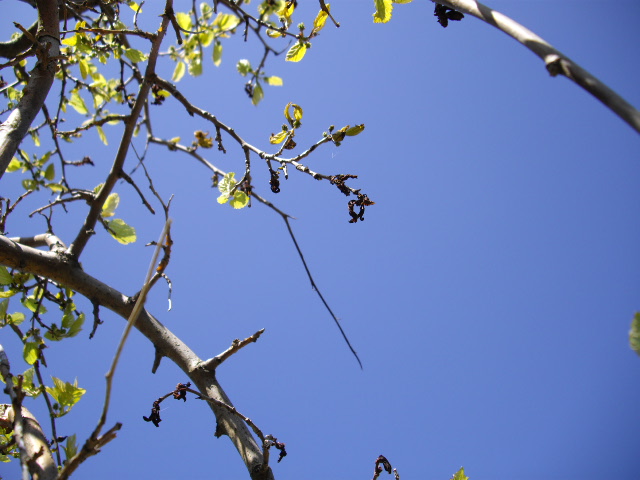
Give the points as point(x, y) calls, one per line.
point(445, 14)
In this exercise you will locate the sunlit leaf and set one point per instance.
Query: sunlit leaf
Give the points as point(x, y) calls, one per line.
point(77, 102)
point(321, 18)
point(276, 138)
point(103, 137)
point(31, 352)
point(109, 207)
point(179, 71)
point(134, 6)
point(134, 55)
point(217, 53)
point(226, 21)
point(65, 394)
point(50, 172)
point(239, 200)
point(84, 68)
point(353, 131)
point(243, 67)
point(258, 94)
point(70, 447)
point(383, 11)
point(71, 41)
point(184, 20)
point(459, 475)
point(634, 333)
point(274, 81)
point(296, 52)
point(122, 232)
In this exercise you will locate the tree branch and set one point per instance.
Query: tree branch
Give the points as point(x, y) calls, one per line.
point(14, 129)
point(64, 270)
point(556, 62)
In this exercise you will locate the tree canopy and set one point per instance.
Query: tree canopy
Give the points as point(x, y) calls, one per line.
point(488, 243)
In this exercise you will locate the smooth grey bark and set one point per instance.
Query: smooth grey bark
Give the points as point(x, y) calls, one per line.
point(60, 268)
point(16, 127)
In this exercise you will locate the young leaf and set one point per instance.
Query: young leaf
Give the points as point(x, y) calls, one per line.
point(353, 131)
point(134, 55)
point(122, 232)
point(276, 138)
point(103, 137)
point(243, 67)
point(258, 94)
point(634, 333)
point(50, 172)
point(296, 52)
point(31, 352)
point(459, 475)
point(77, 102)
point(71, 448)
point(184, 20)
point(65, 394)
point(109, 207)
point(239, 200)
point(217, 53)
point(383, 11)
point(5, 277)
point(274, 81)
point(321, 18)
point(226, 21)
point(178, 73)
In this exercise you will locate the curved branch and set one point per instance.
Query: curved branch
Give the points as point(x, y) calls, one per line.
point(20, 45)
point(14, 129)
point(65, 271)
point(556, 62)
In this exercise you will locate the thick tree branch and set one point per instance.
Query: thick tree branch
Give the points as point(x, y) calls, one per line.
point(14, 129)
point(556, 62)
point(64, 270)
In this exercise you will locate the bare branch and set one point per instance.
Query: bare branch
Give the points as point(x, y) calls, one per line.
point(556, 62)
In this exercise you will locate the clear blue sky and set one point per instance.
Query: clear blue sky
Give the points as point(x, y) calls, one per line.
point(489, 291)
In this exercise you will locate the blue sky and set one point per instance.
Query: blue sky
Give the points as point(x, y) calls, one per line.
point(489, 291)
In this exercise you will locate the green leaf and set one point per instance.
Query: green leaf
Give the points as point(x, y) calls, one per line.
point(50, 172)
point(65, 394)
point(77, 102)
point(195, 65)
point(459, 475)
point(5, 277)
point(274, 81)
point(276, 138)
point(243, 67)
point(179, 71)
point(136, 56)
point(109, 207)
point(217, 54)
point(227, 183)
point(239, 200)
point(71, 447)
point(84, 68)
point(222, 199)
point(32, 304)
point(321, 18)
point(122, 232)
point(14, 165)
point(184, 20)
point(7, 294)
point(296, 52)
point(353, 131)
point(258, 94)
point(402, 1)
point(31, 352)
point(383, 11)
point(634, 333)
point(226, 21)
point(103, 137)
point(136, 8)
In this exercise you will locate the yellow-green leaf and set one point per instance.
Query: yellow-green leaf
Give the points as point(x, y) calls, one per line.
point(31, 352)
point(296, 52)
point(634, 334)
point(135, 7)
point(109, 207)
point(383, 11)
point(402, 1)
point(84, 68)
point(274, 81)
point(122, 232)
point(217, 54)
point(321, 18)
point(353, 131)
point(50, 172)
point(279, 137)
point(77, 102)
point(101, 134)
point(222, 199)
point(71, 41)
point(226, 21)
point(184, 20)
point(258, 94)
point(178, 73)
point(134, 55)
point(239, 200)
